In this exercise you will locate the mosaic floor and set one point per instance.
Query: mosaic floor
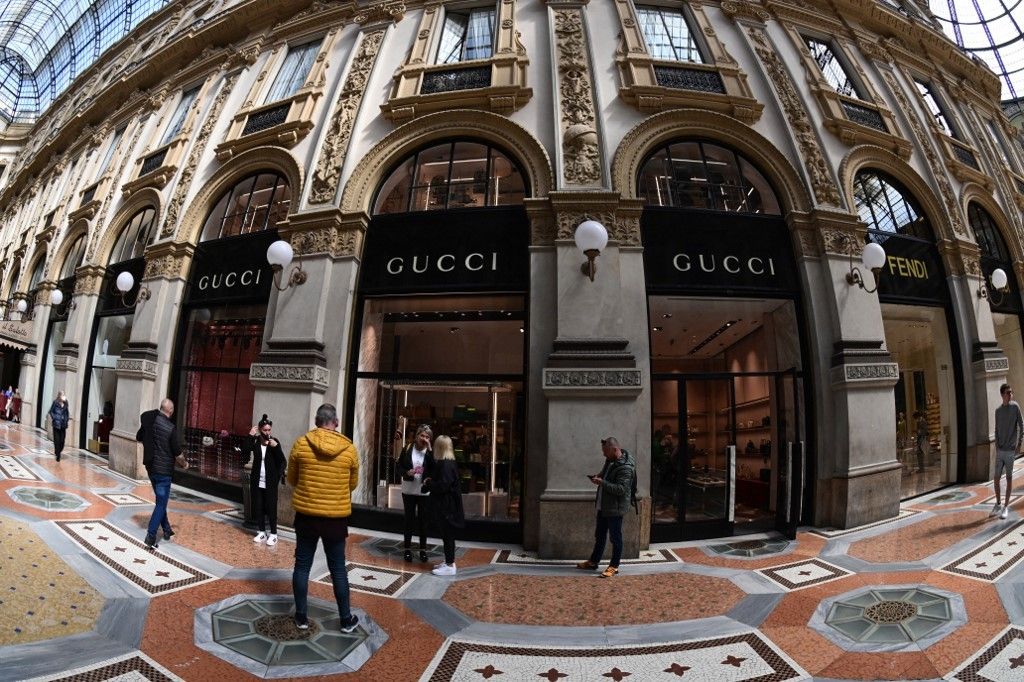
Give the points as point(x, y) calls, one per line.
point(932, 594)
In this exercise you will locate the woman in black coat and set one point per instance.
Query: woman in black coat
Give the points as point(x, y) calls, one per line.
point(446, 500)
point(416, 464)
point(59, 418)
point(268, 468)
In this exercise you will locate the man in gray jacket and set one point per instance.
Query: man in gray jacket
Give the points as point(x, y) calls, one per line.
point(614, 493)
point(1009, 432)
point(161, 449)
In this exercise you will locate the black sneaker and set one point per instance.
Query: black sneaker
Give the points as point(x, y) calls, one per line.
point(350, 624)
point(151, 542)
point(301, 622)
point(423, 556)
point(168, 534)
point(408, 555)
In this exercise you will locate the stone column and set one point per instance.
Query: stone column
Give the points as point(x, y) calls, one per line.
point(145, 365)
point(858, 473)
point(307, 333)
point(70, 358)
point(33, 363)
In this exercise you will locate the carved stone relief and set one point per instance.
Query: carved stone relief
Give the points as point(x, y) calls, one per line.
point(332, 156)
point(198, 147)
point(592, 378)
point(581, 156)
point(938, 171)
point(101, 214)
point(822, 182)
point(334, 241)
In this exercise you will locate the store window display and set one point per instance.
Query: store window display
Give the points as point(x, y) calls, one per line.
point(917, 319)
point(222, 324)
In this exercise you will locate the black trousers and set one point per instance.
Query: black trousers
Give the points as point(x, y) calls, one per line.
point(448, 538)
point(58, 441)
point(416, 510)
point(264, 504)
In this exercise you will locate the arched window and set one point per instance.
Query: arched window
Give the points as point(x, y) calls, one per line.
point(37, 274)
point(134, 238)
point(887, 208)
point(452, 175)
point(987, 234)
point(74, 258)
point(258, 202)
point(704, 175)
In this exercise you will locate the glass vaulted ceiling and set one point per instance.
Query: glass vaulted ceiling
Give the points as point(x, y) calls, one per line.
point(46, 44)
point(992, 30)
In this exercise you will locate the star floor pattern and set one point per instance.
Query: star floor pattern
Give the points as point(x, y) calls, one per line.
point(931, 594)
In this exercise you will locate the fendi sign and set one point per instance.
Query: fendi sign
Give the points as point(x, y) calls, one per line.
point(232, 269)
point(461, 250)
point(703, 251)
point(912, 271)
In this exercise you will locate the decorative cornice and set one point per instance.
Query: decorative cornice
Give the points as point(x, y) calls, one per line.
point(65, 362)
point(875, 374)
point(327, 174)
point(168, 260)
point(592, 382)
point(309, 377)
point(137, 368)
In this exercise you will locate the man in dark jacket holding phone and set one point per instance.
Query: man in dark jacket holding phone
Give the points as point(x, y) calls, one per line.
point(161, 450)
point(614, 490)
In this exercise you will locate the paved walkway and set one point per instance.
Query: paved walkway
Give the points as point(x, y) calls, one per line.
point(935, 593)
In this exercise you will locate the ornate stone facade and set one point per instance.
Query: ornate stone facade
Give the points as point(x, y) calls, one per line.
point(170, 221)
point(327, 175)
point(581, 155)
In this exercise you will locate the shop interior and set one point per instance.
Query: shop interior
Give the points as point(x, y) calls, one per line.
point(455, 363)
point(725, 374)
point(112, 335)
point(918, 340)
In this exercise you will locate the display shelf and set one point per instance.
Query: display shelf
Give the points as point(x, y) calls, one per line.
point(756, 402)
point(746, 429)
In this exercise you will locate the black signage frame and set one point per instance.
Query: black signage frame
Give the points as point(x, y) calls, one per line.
point(913, 272)
point(482, 249)
point(715, 253)
point(231, 270)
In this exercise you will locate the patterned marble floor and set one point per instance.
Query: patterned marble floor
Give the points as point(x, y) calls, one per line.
point(933, 594)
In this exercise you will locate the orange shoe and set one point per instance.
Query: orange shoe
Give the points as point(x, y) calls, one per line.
point(609, 572)
point(587, 565)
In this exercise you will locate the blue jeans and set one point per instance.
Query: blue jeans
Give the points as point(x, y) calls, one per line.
point(308, 531)
point(162, 490)
point(607, 525)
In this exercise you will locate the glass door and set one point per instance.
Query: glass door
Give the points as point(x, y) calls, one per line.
point(693, 461)
point(791, 466)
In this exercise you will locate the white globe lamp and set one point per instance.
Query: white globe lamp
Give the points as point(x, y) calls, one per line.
point(591, 237)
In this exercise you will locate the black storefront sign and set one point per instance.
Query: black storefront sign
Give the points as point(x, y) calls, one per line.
point(111, 300)
point(698, 251)
point(912, 272)
point(232, 270)
point(478, 250)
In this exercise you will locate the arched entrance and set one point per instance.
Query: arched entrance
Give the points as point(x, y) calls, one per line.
point(726, 329)
point(441, 331)
point(221, 327)
point(919, 334)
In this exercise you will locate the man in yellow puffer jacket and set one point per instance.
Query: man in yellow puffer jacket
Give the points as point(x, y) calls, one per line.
point(323, 468)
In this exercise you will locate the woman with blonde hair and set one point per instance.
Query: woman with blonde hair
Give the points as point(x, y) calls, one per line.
point(446, 499)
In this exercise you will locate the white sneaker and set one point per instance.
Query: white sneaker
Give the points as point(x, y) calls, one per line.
point(1006, 512)
point(995, 509)
point(260, 537)
point(444, 569)
point(271, 540)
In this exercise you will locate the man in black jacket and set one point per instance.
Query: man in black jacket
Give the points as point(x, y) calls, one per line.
point(161, 449)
